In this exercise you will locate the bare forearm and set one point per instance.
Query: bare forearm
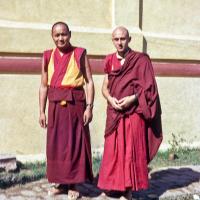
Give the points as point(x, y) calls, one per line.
point(42, 98)
point(90, 92)
point(106, 93)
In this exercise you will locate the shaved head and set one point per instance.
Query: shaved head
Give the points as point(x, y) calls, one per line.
point(120, 29)
point(121, 39)
point(60, 23)
point(61, 35)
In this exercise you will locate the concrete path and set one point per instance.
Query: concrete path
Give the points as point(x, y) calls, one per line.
point(165, 184)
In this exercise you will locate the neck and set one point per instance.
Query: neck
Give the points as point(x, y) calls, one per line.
point(64, 50)
point(60, 52)
point(124, 53)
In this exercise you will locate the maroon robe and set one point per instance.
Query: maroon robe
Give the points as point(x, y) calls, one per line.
point(68, 140)
point(136, 76)
point(132, 137)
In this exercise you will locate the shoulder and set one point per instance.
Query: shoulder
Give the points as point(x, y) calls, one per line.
point(144, 62)
point(47, 56)
point(142, 56)
point(109, 59)
point(80, 55)
point(47, 52)
point(110, 56)
point(139, 58)
point(108, 62)
point(79, 50)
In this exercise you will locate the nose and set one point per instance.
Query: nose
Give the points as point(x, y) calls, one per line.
point(60, 37)
point(119, 42)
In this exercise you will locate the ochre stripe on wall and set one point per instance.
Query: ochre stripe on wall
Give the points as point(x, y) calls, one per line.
point(32, 65)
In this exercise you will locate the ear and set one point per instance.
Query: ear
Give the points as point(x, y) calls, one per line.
point(129, 39)
point(70, 33)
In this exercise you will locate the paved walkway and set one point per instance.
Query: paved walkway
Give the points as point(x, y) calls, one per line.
point(165, 184)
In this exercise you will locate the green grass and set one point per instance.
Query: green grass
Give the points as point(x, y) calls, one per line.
point(185, 157)
point(96, 161)
point(34, 171)
point(25, 173)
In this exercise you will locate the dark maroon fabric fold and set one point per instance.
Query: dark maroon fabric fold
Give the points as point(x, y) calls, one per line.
point(71, 94)
point(136, 76)
point(68, 140)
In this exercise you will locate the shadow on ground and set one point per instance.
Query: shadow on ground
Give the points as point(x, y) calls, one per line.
point(163, 180)
point(160, 182)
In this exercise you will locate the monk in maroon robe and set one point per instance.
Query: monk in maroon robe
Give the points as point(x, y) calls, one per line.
point(65, 70)
point(133, 126)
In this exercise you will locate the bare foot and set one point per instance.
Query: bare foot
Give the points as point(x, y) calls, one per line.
point(57, 189)
point(127, 195)
point(73, 194)
point(103, 194)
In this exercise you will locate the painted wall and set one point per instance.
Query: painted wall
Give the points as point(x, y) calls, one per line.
point(166, 30)
point(21, 133)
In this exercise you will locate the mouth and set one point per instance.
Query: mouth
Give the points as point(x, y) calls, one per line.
point(61, 44)
point(120, 48)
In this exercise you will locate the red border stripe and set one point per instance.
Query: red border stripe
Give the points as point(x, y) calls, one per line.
point(20, 65)
point(32, 65)
point(177, 69)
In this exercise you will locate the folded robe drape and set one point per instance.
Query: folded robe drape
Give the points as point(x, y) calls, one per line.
point(136, 76)
point(132, 136)
point(68, 140)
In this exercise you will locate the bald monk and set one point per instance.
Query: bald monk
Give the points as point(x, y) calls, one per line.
point(133, 130)
point(65, 70)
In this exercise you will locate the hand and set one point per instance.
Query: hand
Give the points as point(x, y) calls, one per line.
point(87, 116)
point(114, 103)
point(125, 102)
point(42, 120)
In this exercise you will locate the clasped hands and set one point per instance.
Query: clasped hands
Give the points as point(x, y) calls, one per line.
point(122, 103)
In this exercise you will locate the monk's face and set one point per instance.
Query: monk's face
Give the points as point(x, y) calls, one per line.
point(121, 39)
point(61, 36)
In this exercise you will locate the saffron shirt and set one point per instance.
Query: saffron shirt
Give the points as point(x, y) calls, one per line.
point(68, 140)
